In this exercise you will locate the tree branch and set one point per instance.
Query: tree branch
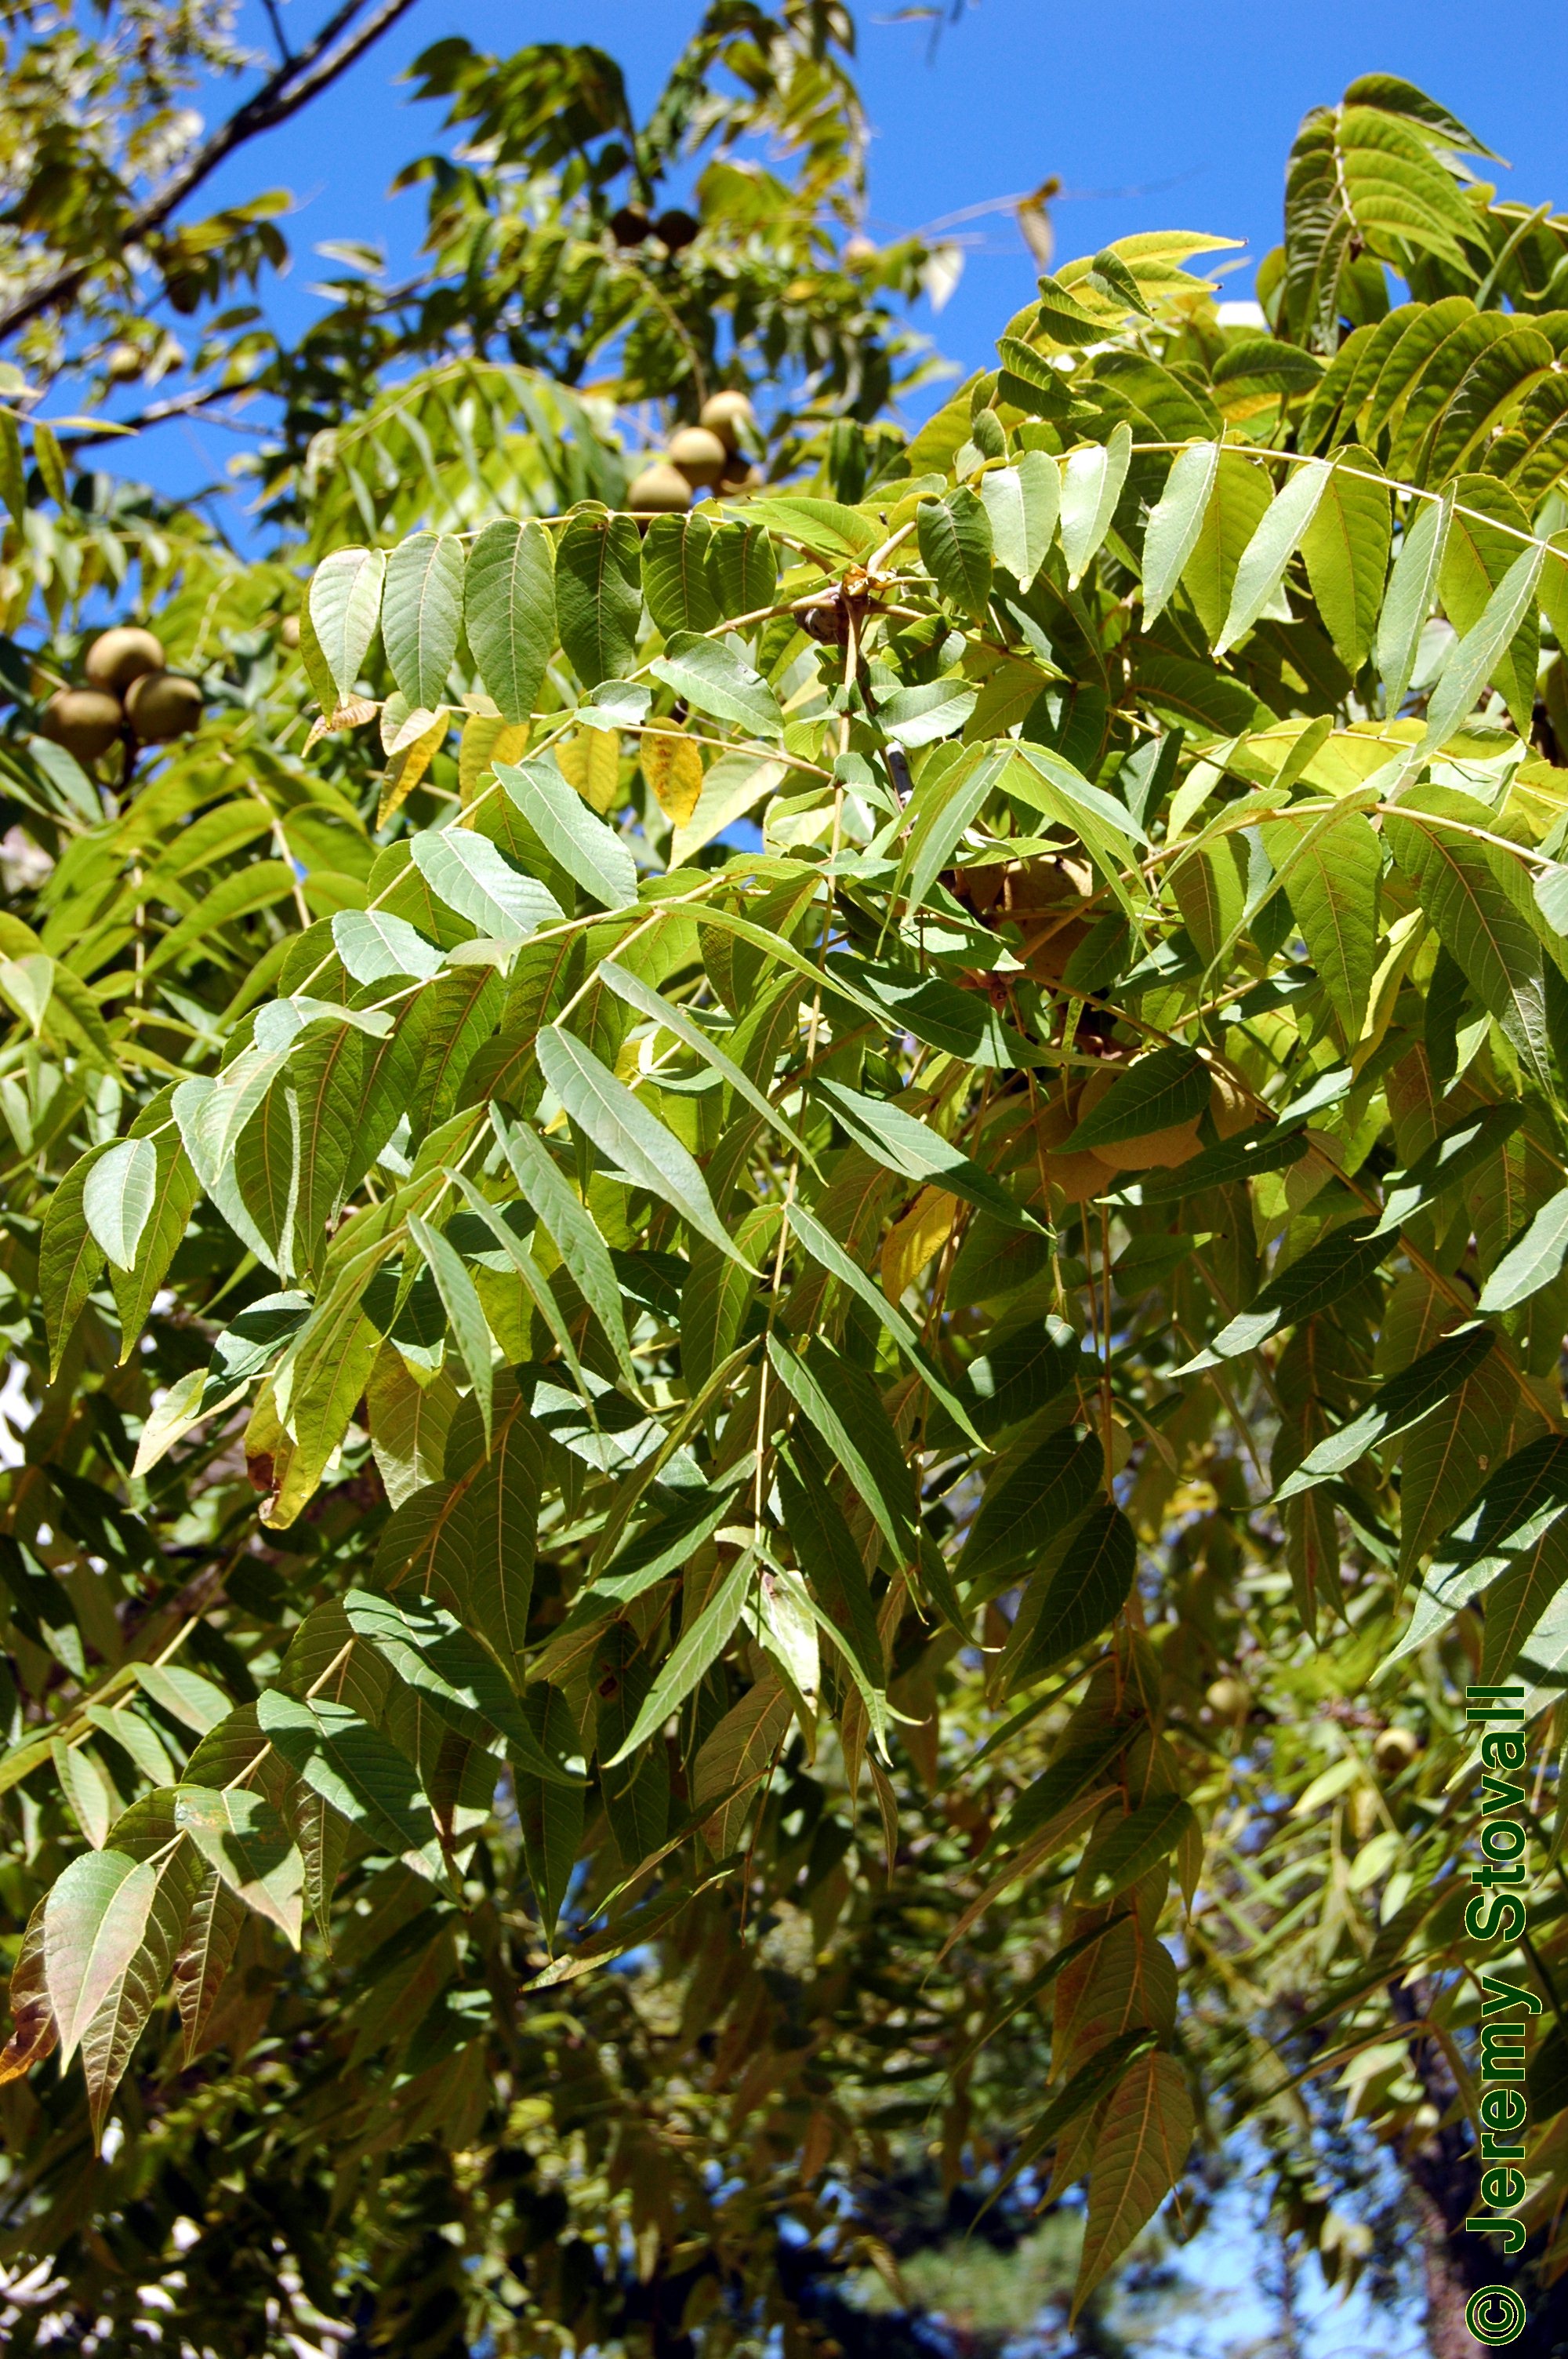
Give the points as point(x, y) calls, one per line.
point(294, 85)
point(158, 413)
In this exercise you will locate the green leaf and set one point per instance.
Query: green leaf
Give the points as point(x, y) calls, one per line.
point(1022, 1370)
point(595, 855)
point(543, 1295)
point(258, 885)
point(1513, 1507)
point(717, 1294)
point(1049, 784)
point(467, 872)
point(1034, 1505)
point(1140, 2150)
point(94, 1919)
point(1345, 551)
point(1412, 589)
point(1167, 1087)
point(432, 1652)
point(846, 1408)
point(1109, 276)
point(1331, 867)
point(1024, 1995)
point(378, 947)
point(582, 1248)
point(677, 581)
point(825, 527)
point(13, 473)
point(422, 614)
point(715, 678)
point(1174, 524)
point(242, 1837)
point(317, 671)
point(118, 1197)
point(551, 1819)
point(955, 539)
point(683, 1027)
point(1318, 1278)
point(1532, 1261)
point(1262, 564)
point(1063, 318)
point(461, 1305)
point(901, 1143)
point(952, 790)
point(826, 1552)
point(1394, 1406)
point(697, 1648)
point(1084, 1596)
point(1087, 2087)
point(345, 606)
point(942, 1014)
point(631, 1139)
point(1516, 1601)
point(1445, 1458)
point(1456, 1152)
point(1070, 1775)
point(509, 612)
point(738, 1755)
point(1551, 890)
point(1236, 508)
point(1091, 485)
point(599, 595)
point(355, 1769)
point(919, 716)
point(825, 1248)
point(27, 986)
point(1027, 380)
point(1472, 661)
point(1479, 900)
point(1023, 503)
point(504, 1499)
point(109, 2040)
point(213, 1930)
point(70, 1258)
point(1132, 1845)
point(326, 1083)
point(742, 570)
point(1258, 1150)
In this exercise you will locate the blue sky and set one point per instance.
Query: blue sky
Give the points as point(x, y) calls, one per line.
point(1185, 112)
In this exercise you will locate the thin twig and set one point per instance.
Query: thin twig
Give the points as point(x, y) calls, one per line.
point(293, 86)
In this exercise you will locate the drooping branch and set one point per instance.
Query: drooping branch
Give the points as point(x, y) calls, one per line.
point(292, 87)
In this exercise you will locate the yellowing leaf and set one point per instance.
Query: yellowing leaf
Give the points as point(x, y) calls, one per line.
point(590, 761)
point(913, 1240)
point(486, 740)
point(673, 768)
point(410, 765)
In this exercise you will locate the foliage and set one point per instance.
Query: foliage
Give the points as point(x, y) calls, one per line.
point(755, 1257)
point(551, 242)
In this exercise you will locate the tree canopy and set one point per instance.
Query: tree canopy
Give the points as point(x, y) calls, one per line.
point(788, 1276)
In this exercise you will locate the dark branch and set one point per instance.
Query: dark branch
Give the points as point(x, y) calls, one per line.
point(294, 85)
point(159, 413)
point(284, 53)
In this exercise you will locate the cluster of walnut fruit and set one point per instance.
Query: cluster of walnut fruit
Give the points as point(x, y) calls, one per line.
point(128, 696)
point(706, 457)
